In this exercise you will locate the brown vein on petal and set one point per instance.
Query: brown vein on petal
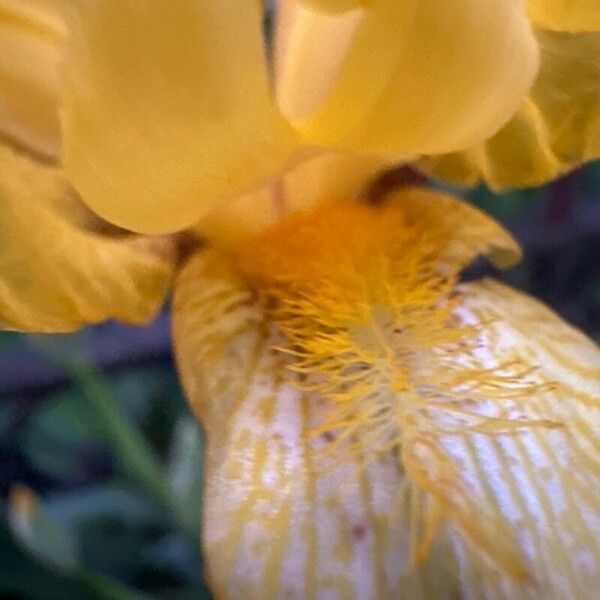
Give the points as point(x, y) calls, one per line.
point(310, 569)
point(360, 466)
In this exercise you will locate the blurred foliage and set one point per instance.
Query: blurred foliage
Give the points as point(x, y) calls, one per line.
point(559, 229)
point(104, 495)
point(100, 477)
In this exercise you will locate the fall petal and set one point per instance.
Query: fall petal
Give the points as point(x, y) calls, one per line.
point(543, 481)
point(403, 78)
point(286, 518)
point(32, 38)
point(565, 15)
point(278, 522)
point(168, 109)
point(556, 130)
point(56, 273)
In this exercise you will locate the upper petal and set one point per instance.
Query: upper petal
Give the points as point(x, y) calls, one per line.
point(32, 37)
point(167, 109)
point(565, 15)
point(556, 129)
point(403, 77)
point(56, 272)
point(334, 6)
point(325, 178)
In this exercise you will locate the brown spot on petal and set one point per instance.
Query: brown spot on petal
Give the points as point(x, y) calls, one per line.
point(359, 532)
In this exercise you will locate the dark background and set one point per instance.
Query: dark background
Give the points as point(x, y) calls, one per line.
point(100, 460)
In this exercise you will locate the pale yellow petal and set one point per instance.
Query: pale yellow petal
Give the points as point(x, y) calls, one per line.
point(279, 523)
point(325, 178)
point(565, 15)
point(32, 38)
point(285, 519)
point(168, 109)
point(56, 274)
point(556, 130)
point(404, 78)
point(544, 482)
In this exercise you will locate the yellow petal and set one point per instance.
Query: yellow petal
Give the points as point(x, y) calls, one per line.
point(168, 109)
point(467, 231)
point(283, 517)
point(334, 6)
point(404, 78)
point(565, 15)
point(325, 178)
point(32, 37)
point(56, 274)
point(556, 130)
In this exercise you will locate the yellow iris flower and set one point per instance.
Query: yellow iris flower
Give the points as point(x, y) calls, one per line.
point(375, 428)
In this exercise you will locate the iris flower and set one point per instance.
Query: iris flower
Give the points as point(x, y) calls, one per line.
point(375, 427)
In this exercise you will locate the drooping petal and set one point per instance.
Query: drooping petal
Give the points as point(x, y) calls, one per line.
point(545, 482)
point(556, 130)
point(277, 522)
point(565, 15)
point(325, 178)
point(403, 78)
point(56, 272)
point(32, 38)
point(168, 109)
point(285, 517)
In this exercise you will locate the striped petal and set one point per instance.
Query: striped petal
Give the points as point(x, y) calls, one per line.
point(286, 518)
point(58, 270)
point(565, 15)
point(32, 36)
point(556, 130)
point(274, 527)
point(168, 109)
point(403, 78)
point(545, 483)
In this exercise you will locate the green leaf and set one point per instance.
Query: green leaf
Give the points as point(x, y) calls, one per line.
point(58, 436)
point(74, 508)
point(185, 470)
point(134, 457)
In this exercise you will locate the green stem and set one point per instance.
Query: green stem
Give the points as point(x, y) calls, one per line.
point(135, 457)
